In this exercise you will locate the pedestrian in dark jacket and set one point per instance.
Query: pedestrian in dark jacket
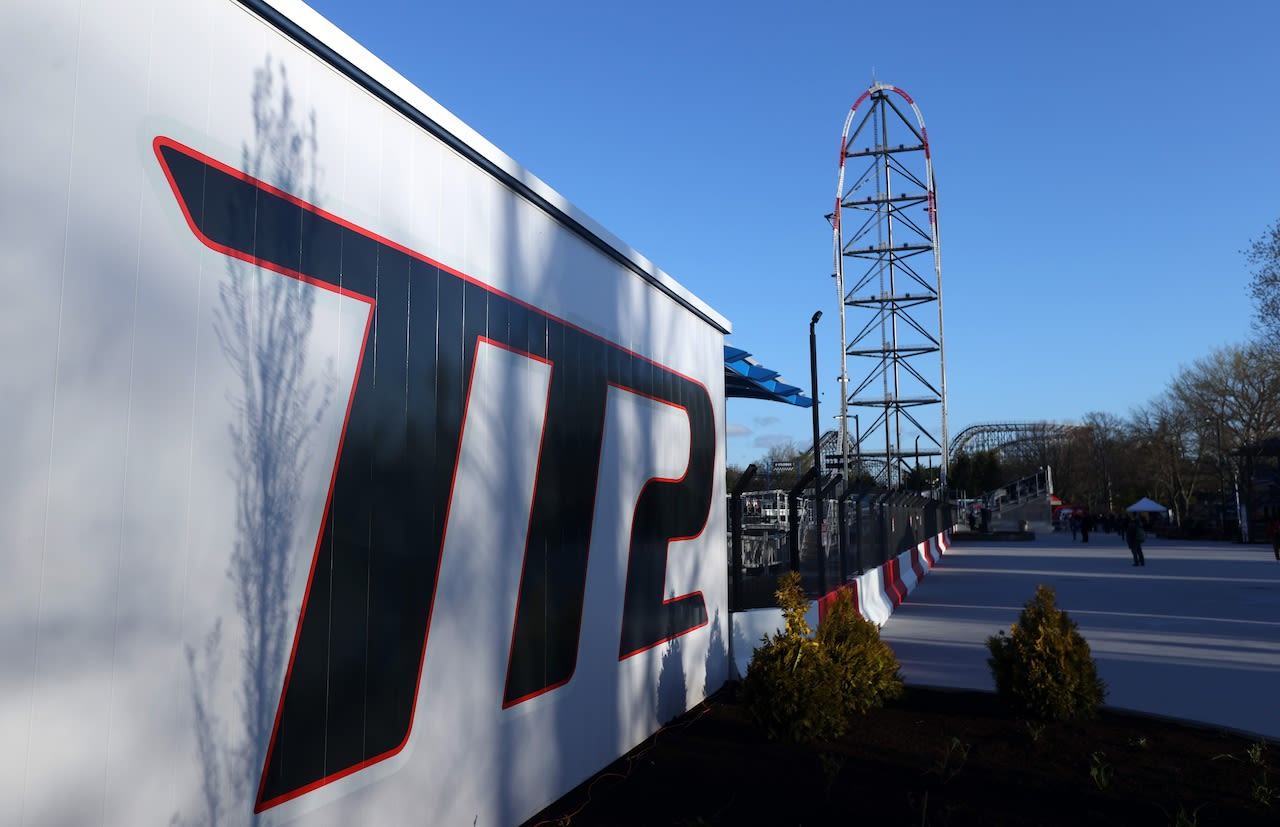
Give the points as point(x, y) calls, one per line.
point(1135, 535)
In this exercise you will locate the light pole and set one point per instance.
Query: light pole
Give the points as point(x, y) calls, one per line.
point(1222, 489)
point(817, 453)
point(917, 458)
point(857, 447)
point(1242, 515)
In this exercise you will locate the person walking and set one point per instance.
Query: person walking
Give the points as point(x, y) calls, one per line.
point(1135, 535)
point(1273, 528)
point(1086, 525)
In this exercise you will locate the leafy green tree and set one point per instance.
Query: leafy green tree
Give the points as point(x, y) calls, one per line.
point(918, 479)
point(961, 475)
point(977, 473)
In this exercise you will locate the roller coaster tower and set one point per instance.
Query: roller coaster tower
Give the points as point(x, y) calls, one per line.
point(890, 304)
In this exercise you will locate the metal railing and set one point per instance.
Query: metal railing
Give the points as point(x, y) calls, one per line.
point(861, 531)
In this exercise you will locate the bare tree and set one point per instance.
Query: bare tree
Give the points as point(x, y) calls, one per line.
point(1099, 444)
point(1263, 254)
point(785, 451)
point(1233, 395)
point(1236, 389)
point(781, 452)
point(1168, 439)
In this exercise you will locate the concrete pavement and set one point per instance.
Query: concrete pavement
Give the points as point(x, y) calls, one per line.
point(1195, 634)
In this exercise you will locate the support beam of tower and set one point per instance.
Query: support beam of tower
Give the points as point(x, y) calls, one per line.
point(888, 274)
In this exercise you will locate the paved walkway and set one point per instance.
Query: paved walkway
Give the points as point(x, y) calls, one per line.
point(1194, 634)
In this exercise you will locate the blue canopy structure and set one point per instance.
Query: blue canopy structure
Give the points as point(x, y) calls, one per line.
point(745, 378)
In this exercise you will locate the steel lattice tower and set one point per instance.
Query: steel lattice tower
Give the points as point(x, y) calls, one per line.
point(885, 228)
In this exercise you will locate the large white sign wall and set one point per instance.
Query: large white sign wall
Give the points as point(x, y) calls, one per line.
point(350, 475)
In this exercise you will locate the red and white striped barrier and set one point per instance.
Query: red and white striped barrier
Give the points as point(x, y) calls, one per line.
point(875, 593)
point(878, 592)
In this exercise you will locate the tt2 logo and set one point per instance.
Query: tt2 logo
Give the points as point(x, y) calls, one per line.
point(415, 424)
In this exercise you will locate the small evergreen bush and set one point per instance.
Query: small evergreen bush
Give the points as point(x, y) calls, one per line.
point(868, 669)
point(1044, 668)
point(791, 690)
point(803, 688)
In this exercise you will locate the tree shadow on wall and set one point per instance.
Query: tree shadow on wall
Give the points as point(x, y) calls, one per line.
point(717, 651)
point(262, 323)
point(673, 683)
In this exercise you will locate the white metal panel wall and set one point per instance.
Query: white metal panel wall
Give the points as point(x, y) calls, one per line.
point(155, 578)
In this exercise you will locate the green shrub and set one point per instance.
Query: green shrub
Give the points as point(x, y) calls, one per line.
point(800, 688)
point(1044, 667)
point(791, 690)
point(867, 667)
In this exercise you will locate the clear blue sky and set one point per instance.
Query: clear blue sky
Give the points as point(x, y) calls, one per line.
point(1100, 166)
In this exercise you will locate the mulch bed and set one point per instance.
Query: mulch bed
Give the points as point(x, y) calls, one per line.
point(935, 757)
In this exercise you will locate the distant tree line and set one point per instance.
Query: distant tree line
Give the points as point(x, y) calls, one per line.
point(1180, 448)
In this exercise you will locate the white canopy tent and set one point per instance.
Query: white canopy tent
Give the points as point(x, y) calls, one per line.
point(1147, 505)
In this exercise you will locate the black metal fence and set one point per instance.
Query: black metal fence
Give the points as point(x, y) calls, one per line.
point(860, 532)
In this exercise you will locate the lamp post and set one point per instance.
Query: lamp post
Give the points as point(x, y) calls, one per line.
point(1222, 490)
point(916, 469)
point(823, 490)
point(857, 447)
point(1242, 514)
point(817, 453)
